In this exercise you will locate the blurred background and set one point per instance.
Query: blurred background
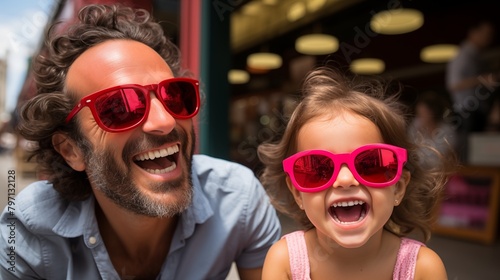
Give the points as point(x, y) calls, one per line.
point(251, 57)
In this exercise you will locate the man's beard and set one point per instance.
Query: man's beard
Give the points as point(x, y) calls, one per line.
point(117, 184)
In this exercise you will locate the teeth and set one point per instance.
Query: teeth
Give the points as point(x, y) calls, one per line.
point(348, 203)
point(163, 153)
point(157, 154)
point(161, 171)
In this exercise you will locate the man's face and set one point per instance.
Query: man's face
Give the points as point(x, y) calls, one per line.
point(145, 170)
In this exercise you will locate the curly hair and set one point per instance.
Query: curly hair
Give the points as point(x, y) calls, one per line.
point(43, 116)
point(328, 93)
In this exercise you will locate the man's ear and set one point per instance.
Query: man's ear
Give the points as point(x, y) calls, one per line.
point(68, 149)
point(295, 192)
point(400, 190)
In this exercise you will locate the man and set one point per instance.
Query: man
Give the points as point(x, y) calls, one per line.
point(470, 85)
point(125, 197)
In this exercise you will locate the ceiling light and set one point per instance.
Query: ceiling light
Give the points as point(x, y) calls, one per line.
point(253, 8)
point(316, 44)
point(296, 11)
point(367, 66)
point(439, 53)
point(397, 21)
point(237, 76)
point(264, 60)
point(270, 2)
point(315, 5)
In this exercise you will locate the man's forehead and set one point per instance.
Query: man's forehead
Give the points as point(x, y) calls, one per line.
point(116, 62)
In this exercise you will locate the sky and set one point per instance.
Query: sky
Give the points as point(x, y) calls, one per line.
point(22, 24)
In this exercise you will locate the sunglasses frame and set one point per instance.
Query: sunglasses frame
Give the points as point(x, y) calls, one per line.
point(348, 158)
point(89, 101)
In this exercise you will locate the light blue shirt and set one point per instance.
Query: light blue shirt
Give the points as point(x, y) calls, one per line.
point(230, 220)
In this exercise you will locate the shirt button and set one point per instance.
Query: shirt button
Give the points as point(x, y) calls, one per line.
point(92, 240)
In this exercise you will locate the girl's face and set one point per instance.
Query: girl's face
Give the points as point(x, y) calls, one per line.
point(348, 226)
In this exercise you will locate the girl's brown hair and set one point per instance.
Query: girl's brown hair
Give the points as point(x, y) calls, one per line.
point(327, 93)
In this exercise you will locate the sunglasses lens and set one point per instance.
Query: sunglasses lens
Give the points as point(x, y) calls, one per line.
point(377, 165)
point(121, 108)
point(180, 97)
point(312, 171)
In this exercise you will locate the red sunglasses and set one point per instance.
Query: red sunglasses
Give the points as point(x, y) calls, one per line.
point(124, 107)
point(374, 165)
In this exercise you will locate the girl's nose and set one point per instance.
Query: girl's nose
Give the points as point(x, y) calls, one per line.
point(345, 179)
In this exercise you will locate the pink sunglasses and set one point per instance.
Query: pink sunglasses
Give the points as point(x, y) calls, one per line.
point(374, 165)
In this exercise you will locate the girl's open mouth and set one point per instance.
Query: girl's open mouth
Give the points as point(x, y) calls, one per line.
point(349, 211)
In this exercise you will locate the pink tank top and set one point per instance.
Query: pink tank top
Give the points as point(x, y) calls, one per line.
point(299, 260)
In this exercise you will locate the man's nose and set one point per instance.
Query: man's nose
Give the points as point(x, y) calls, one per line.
point(158, 121)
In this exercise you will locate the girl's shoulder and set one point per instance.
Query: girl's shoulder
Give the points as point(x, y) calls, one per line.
point(417, 261)
point(429, 265)
point(278, 252)
point(289, 241)
point(277, 263)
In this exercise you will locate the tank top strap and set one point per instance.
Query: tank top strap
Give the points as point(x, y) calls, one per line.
point(299, 259)
point(407, 259)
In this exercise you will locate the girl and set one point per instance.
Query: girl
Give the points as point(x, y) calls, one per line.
point(351, 181)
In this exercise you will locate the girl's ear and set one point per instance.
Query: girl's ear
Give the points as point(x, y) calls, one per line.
point(400, 190)
point(68, 149)
point(296, 194)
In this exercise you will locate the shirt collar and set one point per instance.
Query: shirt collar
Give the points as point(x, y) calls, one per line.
point(79, 215)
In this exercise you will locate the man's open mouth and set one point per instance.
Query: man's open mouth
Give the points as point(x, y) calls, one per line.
point(348, 212)
point(159, 161)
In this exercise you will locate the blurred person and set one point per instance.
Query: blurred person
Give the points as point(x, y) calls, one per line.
point(125, 196)
point(430, 128)
point(470, 84)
